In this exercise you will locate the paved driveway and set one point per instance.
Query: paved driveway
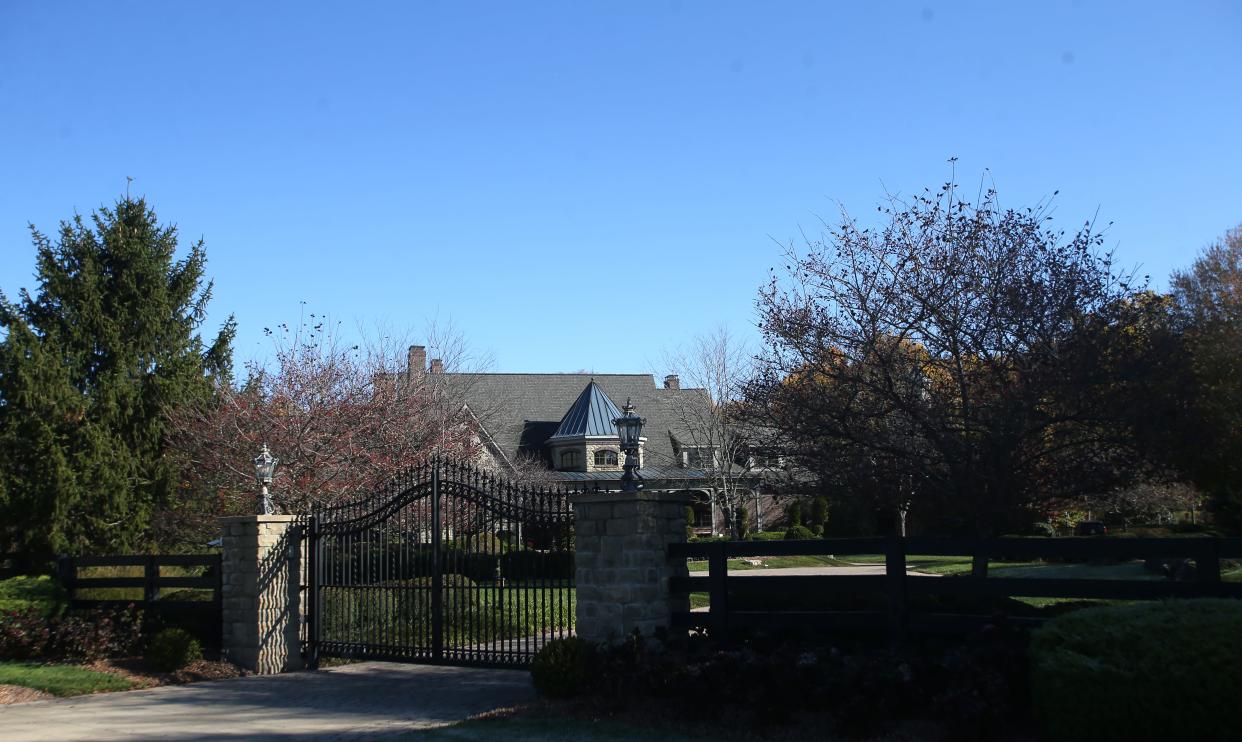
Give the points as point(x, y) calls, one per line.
point(354, 702)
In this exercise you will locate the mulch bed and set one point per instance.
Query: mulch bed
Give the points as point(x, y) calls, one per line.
point(18, 694)
point(143, 676)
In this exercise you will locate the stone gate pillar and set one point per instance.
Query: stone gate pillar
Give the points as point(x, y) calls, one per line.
point(262, 565)
point(622, 566)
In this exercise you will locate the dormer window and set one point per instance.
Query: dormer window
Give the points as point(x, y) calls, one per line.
point(698, 458)
point(605, 457)
point(570, 459)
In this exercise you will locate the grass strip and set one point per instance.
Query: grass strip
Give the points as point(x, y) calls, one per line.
point(60, 680)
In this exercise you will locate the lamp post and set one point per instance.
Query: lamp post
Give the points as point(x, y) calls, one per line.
point(264, 468)
point(630, 429)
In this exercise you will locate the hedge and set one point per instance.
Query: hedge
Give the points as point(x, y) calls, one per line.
point(1143, 671)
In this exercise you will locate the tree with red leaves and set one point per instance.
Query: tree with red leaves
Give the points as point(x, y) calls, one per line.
point(341, 419)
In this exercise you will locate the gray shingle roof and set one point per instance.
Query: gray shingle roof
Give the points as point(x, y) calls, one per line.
point(591, 414)
point(650, 473)
point(521, 411)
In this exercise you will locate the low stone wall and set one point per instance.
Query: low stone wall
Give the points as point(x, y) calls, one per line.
point(261, 575)
point(622, 564)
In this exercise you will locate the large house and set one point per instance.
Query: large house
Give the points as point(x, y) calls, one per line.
point(559, 427)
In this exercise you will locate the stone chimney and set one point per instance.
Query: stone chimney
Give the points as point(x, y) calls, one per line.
point(672, 382)
point(417, 359)
point(437, 366)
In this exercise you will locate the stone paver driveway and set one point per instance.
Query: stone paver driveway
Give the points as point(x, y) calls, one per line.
point(353, 702)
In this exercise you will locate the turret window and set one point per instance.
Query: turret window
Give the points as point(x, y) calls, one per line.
point(570, 460)
point(605, 457)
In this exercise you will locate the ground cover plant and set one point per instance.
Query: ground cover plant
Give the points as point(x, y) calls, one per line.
point(32, 634)
point(25, 592)
point(973, 688)
point(1144, 671)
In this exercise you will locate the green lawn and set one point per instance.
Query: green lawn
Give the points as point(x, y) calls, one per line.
point(60, 680)
point(20, 593)
point(471, 615)
point(700, 565)
point(959, 565)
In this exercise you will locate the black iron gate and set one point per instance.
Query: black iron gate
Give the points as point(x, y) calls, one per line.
point(447, 564)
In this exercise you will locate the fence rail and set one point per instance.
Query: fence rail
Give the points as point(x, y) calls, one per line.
point(201, 616)
point(763, 594)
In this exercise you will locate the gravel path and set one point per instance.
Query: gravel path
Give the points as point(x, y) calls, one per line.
point(353, 702)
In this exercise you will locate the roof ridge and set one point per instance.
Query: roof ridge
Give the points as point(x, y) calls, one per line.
point(591, 414)
point(536, 373)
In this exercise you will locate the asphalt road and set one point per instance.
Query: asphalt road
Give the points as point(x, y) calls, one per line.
point(354, 702)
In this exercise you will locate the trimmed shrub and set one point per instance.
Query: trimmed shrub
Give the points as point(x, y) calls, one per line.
point(172, 649)
point(819, 513)
point(793, 511)
point(796, 533)
point(767, 536)
point(562, 668)
point(1146, 671)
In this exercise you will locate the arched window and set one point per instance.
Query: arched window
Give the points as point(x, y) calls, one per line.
point(604, 457)
point(569, 459)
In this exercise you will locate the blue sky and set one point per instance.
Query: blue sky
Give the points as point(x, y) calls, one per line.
point(518, 167)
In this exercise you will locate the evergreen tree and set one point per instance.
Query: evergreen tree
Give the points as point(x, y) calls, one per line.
point(90, 367)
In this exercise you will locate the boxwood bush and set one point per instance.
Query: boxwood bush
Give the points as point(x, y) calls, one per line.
point(172, 649)
point(1144, 671)
point(798, 533)
point(562, 668)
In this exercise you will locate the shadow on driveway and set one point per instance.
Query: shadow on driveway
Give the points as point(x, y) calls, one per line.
point(360, 701)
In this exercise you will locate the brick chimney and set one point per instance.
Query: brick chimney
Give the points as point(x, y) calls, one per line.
point(437, 366)
point(417, 359)
point(672, 382)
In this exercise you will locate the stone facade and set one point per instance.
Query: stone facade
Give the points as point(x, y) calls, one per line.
point(586, 448)
point(262, 567)
point(622, 564)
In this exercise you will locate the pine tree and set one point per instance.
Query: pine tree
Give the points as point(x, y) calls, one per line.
point(90, 367)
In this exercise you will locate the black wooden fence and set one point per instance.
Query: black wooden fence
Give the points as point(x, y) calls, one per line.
point(902, 605)
point(200, 616)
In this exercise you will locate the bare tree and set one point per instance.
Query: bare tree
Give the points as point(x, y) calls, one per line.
point(1153, 500)
point(714, 369)
point(953, 351)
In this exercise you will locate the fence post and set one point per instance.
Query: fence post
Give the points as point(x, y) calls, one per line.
point(151, 581)
point(67, 574)
point(895, 572)
point(718, 573)
point(1208, 562)
point(260, 567)
point(437, 567)
point(979, 563)
point(622, 566)
point(216, 567)
point(313, 575)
